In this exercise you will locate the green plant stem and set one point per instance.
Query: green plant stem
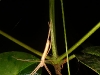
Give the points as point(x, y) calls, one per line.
point(65, 36)
point(71, 57)
point(22, 44)
point(80, 41)
point(52, 28)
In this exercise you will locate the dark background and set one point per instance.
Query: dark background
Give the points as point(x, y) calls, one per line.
point(28, 20)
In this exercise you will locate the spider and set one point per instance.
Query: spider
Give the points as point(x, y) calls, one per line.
point(46, 51)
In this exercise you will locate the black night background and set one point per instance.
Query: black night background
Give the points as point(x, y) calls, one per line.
point(27, 21)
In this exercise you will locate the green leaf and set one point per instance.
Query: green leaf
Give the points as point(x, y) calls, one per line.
point(91, 58)
point(17, 63)
point(94, 50)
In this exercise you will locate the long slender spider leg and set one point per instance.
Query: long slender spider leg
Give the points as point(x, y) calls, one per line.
point(47, 69)
point(45, 51)
point(36, 69)
point(49, 48)
point(46, 47)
